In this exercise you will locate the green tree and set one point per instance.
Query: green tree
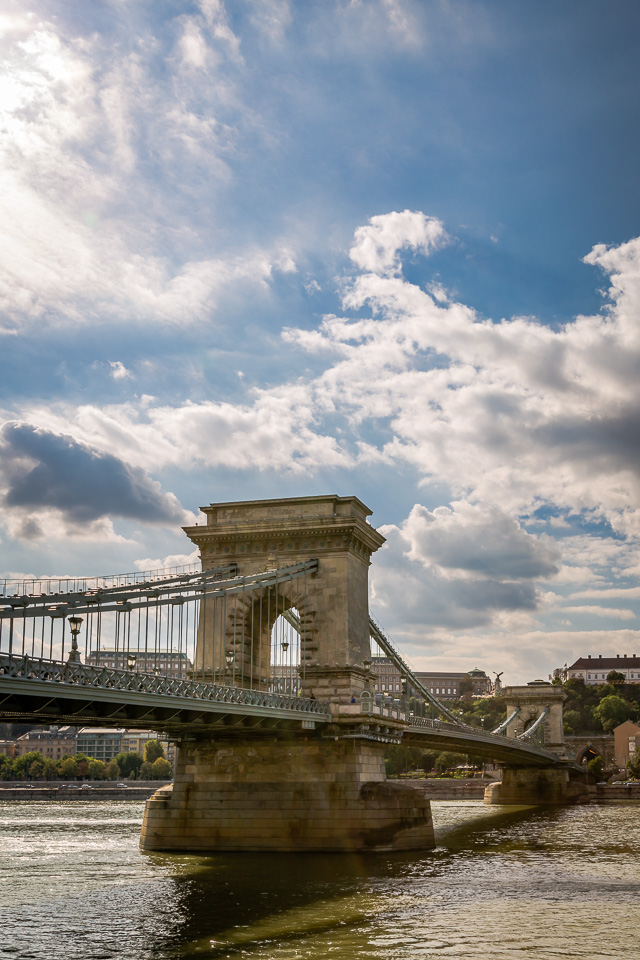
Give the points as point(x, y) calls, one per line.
point(595, 767)
point(97, 769)
point(611, 712)
point(6, 767)
point(50, 768)
point(633, 766)
point(129, 764)
point(82, 763)
point(146, 771)
point(466, 687)
point(22, 764)
point(428, 760)
point(112, 770)
point(161, 769)
point(572, 721)
point(152, 750)
point(447, 761)
point(67, 768)
point(37, 769)
point(616, 679)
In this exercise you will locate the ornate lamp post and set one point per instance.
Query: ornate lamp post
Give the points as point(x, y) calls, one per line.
point(229, 657)
point(131, 661)
point(74, 625)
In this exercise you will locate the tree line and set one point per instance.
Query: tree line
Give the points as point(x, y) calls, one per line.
point(133, 766)
point(599, 707)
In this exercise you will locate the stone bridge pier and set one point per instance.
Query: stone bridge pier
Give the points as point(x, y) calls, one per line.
point(260, 788)
point(560, 783)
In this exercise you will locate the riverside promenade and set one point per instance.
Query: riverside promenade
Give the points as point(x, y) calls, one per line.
point(135, 790)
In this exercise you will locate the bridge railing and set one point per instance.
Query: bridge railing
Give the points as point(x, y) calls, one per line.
point(436, 724)
point(24, 668)
point(50, 586)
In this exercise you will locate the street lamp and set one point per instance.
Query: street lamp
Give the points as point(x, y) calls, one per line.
point(74, 625)
point(229, 657)
point(285, 646)
point(131, 661)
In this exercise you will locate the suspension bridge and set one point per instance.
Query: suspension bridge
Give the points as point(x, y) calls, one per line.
point(258, 662)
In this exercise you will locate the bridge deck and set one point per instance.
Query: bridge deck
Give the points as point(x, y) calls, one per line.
point(61, 692)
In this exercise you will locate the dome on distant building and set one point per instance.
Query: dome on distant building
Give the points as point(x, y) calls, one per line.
point(476, 672)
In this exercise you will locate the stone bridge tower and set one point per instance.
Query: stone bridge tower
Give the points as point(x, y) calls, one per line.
point(532, 700)
point(558, 784)
point(262, 535)
point(259, 788)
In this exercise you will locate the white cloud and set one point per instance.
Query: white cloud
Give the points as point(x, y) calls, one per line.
point(481, 542)
point(82, 237)
point(171, 560)
point(118, 370)
point(378, 245)
point(608, 593)
point(593, 610)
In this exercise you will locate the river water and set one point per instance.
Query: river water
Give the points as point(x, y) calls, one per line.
point(503, 883)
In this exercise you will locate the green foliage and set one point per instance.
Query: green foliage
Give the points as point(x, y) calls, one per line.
point(633, 766)
point(398, 759)
point(129, 764)
point(616, 679)
point(67, 768)
point(595, 767)
point(146, 771)
point(22, 764)
point(112, 770)
point(491, 710)
point(153, 749)
point(97, 769)
point(573, 721)
point(428, 760)
point(611, 712)
point(466, 686)
point(6, 767)
point(161, 769)
point(37, 769)
point(447, 761)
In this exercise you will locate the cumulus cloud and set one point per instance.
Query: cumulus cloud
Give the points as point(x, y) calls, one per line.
point(377, 246)
point(457, 594)
point(477, 541)
point(467, 567)
point(43, 471)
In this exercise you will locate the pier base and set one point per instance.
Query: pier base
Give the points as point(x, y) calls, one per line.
point(536, 786)
point(311, 795)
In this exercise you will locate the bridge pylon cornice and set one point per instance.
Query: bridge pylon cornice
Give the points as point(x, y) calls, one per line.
point(297, 526)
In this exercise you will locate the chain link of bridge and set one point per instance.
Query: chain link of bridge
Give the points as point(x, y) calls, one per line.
point(258, 664)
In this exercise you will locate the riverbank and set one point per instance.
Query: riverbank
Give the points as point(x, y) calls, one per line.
point(472, 789)
point(37, 792)
point(450, 788)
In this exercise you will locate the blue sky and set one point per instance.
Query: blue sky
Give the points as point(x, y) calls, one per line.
point(377, 247)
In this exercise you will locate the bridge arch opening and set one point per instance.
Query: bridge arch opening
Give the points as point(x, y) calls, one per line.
point(587, 754)
point(257, 638)
point(286, 652)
